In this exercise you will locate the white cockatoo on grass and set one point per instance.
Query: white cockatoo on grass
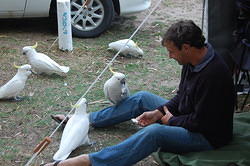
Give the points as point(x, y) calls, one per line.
point(41, 63)
point(116, 88)
point(75, 132)
point(14, 86)
point(131, 49)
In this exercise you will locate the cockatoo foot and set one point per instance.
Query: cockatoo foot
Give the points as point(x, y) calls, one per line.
point(34, 72)
point(140, 56)
point(18, 98)
point(133, 56)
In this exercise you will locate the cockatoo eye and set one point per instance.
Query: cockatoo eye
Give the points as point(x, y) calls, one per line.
point(24, 52)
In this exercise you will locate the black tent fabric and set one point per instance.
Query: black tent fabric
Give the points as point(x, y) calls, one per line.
point(221, 24)
point(245, 4)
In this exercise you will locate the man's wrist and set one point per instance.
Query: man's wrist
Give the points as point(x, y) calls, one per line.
point(162, 111)
point(165, 119)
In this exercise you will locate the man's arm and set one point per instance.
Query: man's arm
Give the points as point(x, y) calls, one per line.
point(149, 117)
point(166, 116)
point(171, 105)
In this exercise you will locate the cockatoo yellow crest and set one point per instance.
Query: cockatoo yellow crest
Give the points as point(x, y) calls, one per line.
point(35, 46)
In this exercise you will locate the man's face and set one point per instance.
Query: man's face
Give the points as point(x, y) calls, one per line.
point(175, 53)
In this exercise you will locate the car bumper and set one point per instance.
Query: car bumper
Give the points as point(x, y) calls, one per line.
point(133, 6)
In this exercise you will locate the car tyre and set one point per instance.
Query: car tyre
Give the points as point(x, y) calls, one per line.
point(93, 20)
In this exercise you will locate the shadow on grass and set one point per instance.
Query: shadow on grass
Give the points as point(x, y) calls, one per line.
point(31, 25)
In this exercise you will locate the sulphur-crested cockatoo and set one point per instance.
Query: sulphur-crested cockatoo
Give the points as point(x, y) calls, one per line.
point(14, 86)
point(41, 63)
point(131, 47)
point(75, 132)
point(116, 88)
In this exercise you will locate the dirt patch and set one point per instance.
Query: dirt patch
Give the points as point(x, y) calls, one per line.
point(170, 11)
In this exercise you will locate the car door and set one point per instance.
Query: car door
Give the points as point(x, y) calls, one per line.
point(12, 8)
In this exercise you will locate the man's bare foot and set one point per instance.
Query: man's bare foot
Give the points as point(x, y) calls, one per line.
point(59, 118)
point(82, 160)
point(52, 164)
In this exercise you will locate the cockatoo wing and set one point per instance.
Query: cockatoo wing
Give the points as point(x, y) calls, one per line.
point(75, 134)
point(106, 90)
point(113, 91)
point(107, 94)
point(11, 88)
point(78, 127)
point(43, 63)
point(116, 93)
point(117, 45)
point(133, 48)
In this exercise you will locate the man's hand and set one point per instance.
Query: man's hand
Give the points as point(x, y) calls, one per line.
point(148, 118)
point(166, 117)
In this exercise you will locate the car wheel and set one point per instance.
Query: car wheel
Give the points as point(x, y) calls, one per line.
point(91, 21)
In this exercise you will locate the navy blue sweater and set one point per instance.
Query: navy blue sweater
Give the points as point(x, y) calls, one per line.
point(205, 100)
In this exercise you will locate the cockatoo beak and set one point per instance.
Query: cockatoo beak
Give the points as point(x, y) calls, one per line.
point(16, 66)
point(123, 81)
point(35, 46)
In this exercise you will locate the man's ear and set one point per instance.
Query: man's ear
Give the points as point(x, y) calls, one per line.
point(185, 46)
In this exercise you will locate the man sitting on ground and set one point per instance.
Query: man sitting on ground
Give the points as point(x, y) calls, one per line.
point(198, 118)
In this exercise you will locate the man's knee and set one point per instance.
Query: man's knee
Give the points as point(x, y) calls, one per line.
point(143, 94)
point(153, 130)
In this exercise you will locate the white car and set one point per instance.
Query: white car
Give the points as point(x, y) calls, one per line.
point(88, 21)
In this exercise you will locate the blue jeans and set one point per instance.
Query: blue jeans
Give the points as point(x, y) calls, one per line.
point(145, 141)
